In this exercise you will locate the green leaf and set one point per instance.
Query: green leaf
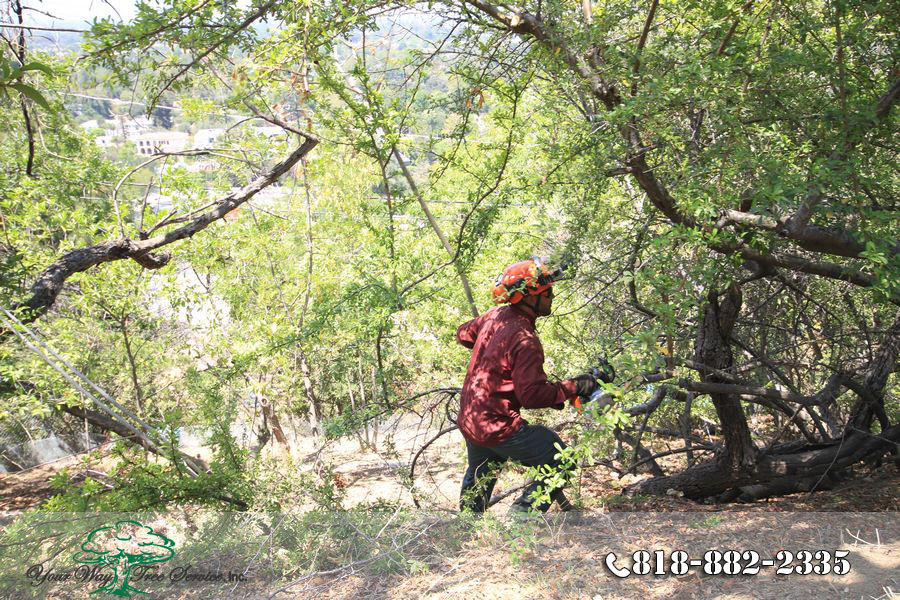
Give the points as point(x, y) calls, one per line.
point(36, 66)
point(32, 94)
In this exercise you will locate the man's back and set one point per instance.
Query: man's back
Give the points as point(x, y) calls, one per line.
point(505, 373)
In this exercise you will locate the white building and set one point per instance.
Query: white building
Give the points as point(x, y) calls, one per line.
point(204, 138)
point(128, 126)
point(105, 141)
point(159, 141)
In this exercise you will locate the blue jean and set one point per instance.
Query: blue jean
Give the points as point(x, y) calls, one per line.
point(532, 446)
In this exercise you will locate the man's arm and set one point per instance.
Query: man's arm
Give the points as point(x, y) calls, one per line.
point(529, 380)
point(468, 333)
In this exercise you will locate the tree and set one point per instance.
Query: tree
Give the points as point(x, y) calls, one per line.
point(721, 174)
point(699, 106)
point(122, 547)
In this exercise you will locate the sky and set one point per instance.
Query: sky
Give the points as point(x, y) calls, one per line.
point(78, 10)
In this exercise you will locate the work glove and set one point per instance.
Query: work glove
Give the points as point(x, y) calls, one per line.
point(604, 371)
point(585, 385)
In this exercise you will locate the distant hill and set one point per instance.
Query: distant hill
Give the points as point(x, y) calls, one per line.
point(63, 41)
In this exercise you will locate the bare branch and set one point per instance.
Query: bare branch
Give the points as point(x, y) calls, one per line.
point(34, 28)
point(745, 390)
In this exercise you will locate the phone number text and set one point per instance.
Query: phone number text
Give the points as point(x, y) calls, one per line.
point(730, 562)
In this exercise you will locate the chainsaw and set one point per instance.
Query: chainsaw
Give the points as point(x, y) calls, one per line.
point(603, 372)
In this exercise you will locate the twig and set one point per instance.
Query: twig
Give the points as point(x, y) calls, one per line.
point(412, 467)
point(859, 539)
point(507, 493)
point(34, 28)
point(261, 546)
point(157, 31)
point(244, 25)
point(121, 181)
point(670, 452)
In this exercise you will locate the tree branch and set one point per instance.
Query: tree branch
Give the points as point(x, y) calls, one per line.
point(33, 28)
point(732, 29)
point(802, 215)
point(244, 25)
point(437, 229)
point(640, 47)
point(20, 55)
point(799, 263)
point(812, 238)
point(809, 237)
point(49, 283)
point(746, 390)
point(528, 24)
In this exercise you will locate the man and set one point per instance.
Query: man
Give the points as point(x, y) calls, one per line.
point(506, 373)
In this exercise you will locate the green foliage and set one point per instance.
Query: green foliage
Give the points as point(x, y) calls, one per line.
point(331, 301)
point(11, 74)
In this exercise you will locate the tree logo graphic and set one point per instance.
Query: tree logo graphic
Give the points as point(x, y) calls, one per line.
point(120, 547)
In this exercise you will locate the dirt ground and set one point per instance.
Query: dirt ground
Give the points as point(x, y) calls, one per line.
point(564, 556)
point(370, 477)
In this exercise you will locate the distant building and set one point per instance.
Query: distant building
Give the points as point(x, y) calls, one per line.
point(128, 126)
point(159, 141)
point(105, 141)
point(205, 138)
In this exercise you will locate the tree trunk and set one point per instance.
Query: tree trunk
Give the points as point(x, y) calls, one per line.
point(810, 468)
point(353, 410)
point(315, 407)
point(272, 420)
point(713, 349)
point(363, 403)
point(871, 393)
point(795, 467)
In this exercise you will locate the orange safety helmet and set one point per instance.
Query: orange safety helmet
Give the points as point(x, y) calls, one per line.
point(525, 278)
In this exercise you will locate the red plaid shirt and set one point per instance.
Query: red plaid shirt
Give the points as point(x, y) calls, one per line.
point(506, 373)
